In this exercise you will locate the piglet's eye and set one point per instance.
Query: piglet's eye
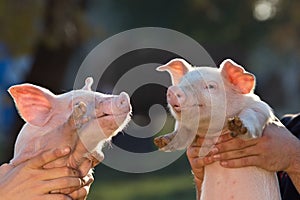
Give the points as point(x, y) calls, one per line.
point(210, 86)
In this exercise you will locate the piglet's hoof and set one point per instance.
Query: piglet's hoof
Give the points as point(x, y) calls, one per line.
point(79, 110)
point(78, 113)
point(163, 140)
point(235, 125)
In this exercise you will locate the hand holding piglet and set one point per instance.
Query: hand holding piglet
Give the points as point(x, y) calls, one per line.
point(96, 117)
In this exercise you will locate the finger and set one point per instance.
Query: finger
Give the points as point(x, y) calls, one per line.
point(97, 158)
point(80, 194)
point(203, 141)
point(65, 190)
point(57, 185)
point(47, 157)
point(235, 143)
point(224, 137)
point(88, 179)
point(236, 154)
point(192, 152)
point(5, 168)
point(85, 167)
point(197, 141)
point(56, 197)
point(241, 162)
point(60, 172)
point(200, 162)
point(198, 173)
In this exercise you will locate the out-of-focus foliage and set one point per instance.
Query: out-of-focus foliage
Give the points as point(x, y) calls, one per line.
point(19, 24)
point(23, 23)
point(213, 21)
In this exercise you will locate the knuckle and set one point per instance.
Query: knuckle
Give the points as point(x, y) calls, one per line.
point(80, 194)
point(224, 156)
point(245, 162)
point(240, 143)
point(84, 192)
point(221, 147)
point(241, 152)
point(195, 152)
point(192, 152)
point(199, 162)
point(189, 151)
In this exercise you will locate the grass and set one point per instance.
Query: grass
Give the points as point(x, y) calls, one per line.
point(158, 188)
point(173, 182)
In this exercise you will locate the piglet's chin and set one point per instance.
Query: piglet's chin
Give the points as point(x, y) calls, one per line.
point(176, 108)
point(110, 124)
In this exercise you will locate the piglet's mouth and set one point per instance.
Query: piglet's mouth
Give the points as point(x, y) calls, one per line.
point(103, 115)
point(178, 109)
point(111, 115)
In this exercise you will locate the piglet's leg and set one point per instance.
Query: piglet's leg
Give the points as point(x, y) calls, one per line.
point(177, 140)
point(235, 125)
point(164, 140)
point(251, 121)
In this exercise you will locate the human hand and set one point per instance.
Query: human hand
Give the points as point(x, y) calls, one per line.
point(82, 193)
point(198, 162)
point(30, 181)
point(274, 151)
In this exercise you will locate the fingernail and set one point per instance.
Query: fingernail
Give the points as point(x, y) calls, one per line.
point(216, 157)
point(66, 150)
point(224, 163)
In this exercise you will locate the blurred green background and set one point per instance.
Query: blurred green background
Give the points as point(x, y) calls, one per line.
point(45, 41)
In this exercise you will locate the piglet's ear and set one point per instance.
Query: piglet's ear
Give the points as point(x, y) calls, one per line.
point(176, 68)
point(88, 83)
point(243, 81)
point(34, 103)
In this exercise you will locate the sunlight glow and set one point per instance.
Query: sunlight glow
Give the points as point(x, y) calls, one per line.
point(265, 9)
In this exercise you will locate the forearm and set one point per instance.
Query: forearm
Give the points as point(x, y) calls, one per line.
point(294, 169)
point(296, 181)
point(198, 185)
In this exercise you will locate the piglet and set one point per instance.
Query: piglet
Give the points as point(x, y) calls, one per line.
point(98, 117)
point(208, 101)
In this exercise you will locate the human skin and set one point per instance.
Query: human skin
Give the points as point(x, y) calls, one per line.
point(30, 180)
point(276, 150)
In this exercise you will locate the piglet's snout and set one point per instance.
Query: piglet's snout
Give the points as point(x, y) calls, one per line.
point(122, 102)
point(175, 97)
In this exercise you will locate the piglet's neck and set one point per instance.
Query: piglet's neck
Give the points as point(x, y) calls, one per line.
point(245, 183)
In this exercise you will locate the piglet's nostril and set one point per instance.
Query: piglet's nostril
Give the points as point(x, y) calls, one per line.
point(123, 100)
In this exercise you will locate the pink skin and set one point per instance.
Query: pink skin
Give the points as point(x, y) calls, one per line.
point(97, 116)
point(175, 98)
point(203, 100)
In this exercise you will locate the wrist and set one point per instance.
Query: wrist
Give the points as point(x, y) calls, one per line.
point(294, 166)
point(198, 184)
